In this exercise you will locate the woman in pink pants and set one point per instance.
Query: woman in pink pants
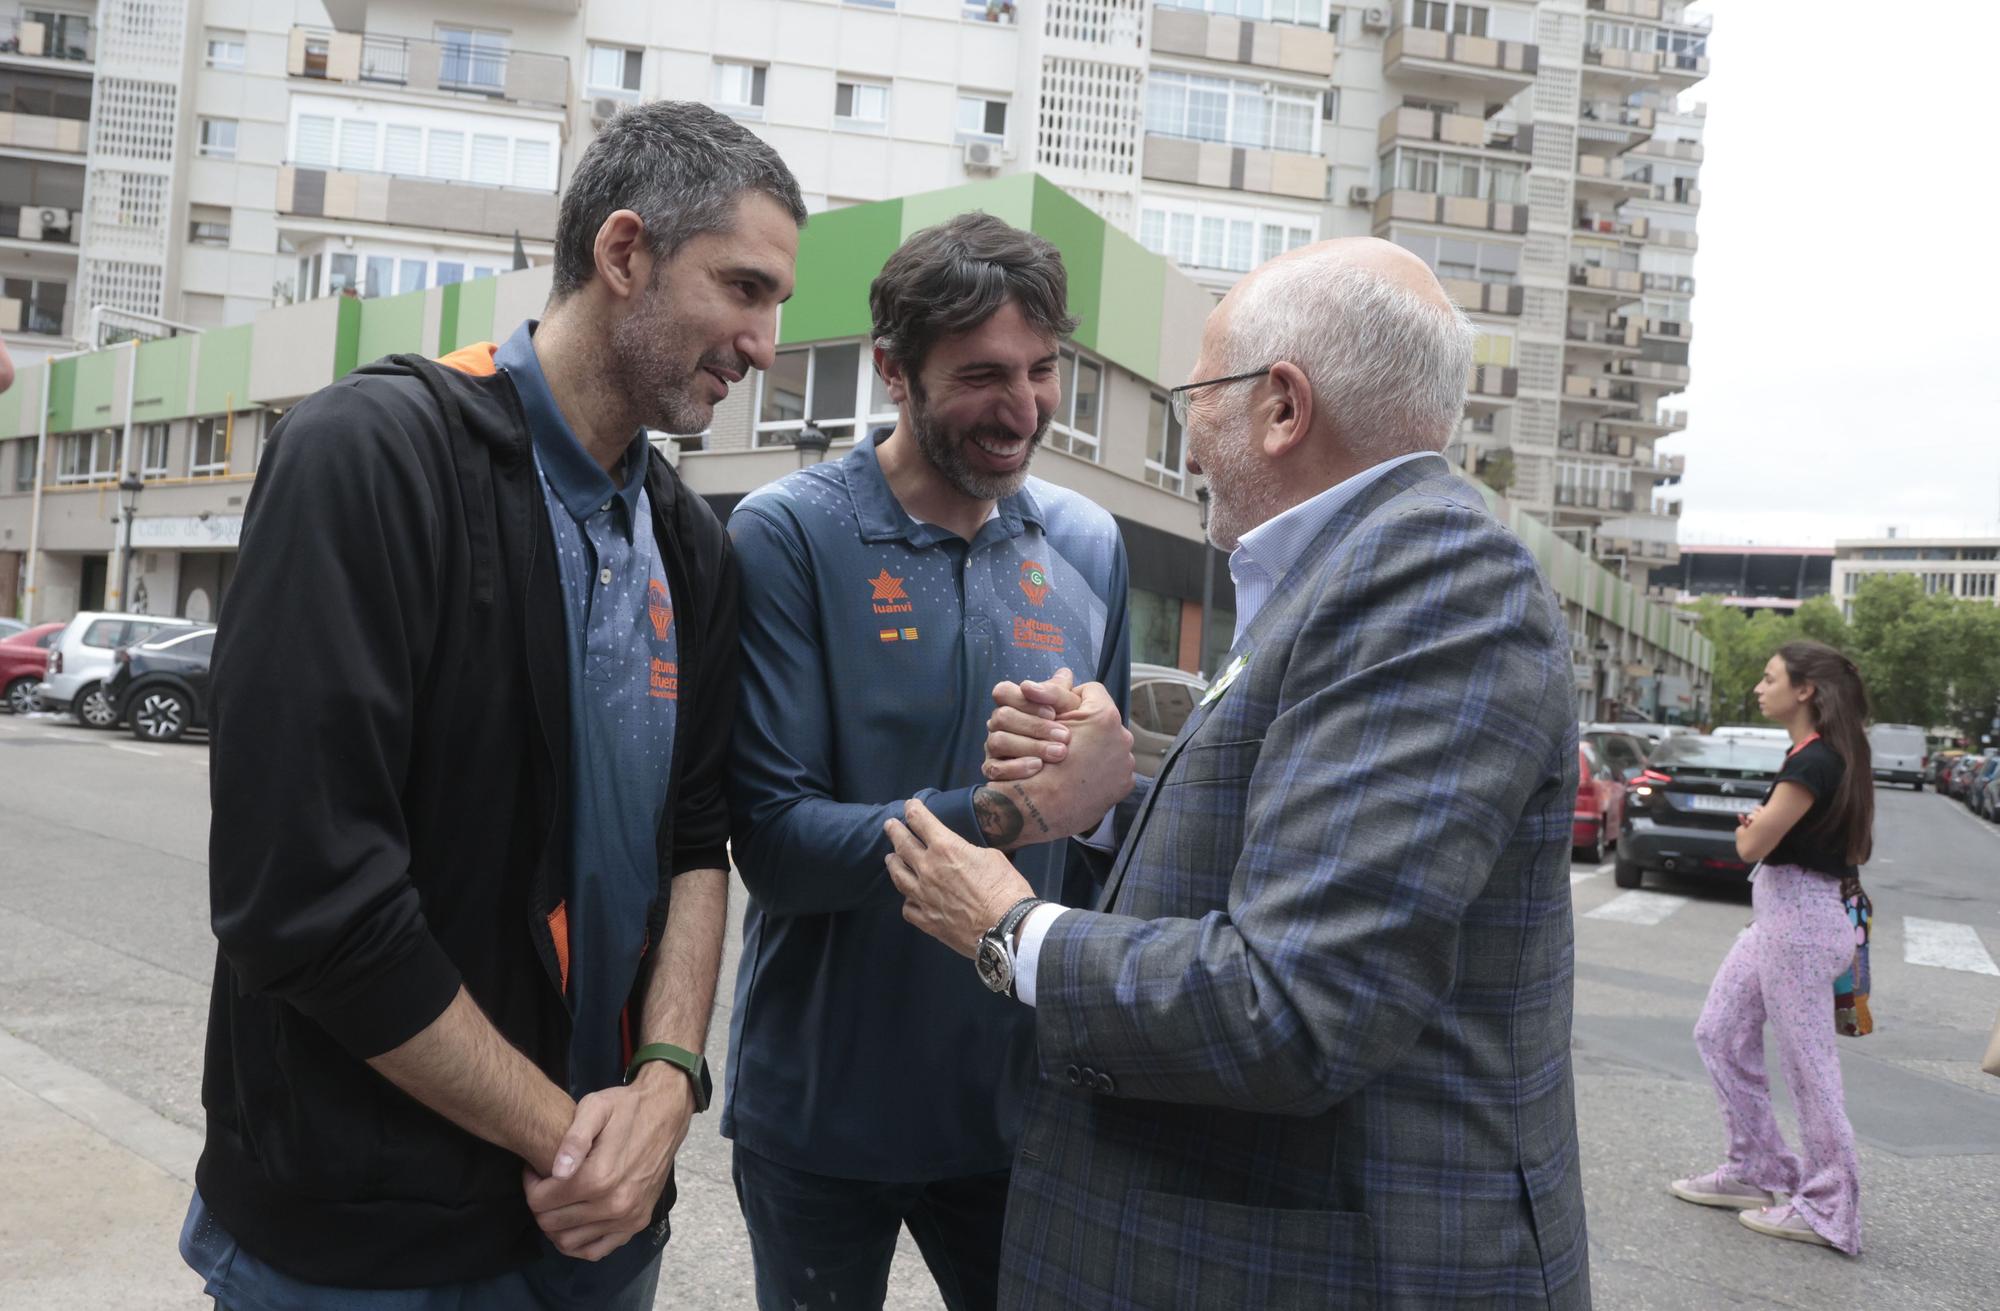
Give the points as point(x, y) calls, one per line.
point(1810, 835)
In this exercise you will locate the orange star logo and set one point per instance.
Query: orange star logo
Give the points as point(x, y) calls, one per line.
point(887, 588)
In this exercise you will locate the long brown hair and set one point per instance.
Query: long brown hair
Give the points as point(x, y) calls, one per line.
point(1839, 707)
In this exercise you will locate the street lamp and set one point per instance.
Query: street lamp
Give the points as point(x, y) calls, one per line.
point(1659, 692)
point(129, 488)
point(1602, 652)
point(813, 438)
point(1207, 581)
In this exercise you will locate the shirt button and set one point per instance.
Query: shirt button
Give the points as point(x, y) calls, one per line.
point(604, 576)
point(605, 506)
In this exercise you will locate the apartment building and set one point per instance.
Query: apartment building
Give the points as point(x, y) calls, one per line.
point(1949, 566)
point(1754, 578)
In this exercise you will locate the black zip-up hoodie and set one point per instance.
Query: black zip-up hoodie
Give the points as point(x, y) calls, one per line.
point(389, 778)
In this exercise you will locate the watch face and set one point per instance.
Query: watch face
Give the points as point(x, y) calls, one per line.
point(995, 970)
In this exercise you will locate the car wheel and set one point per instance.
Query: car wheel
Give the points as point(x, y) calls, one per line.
point(1596, 849)
point(159, 715)
point(94, 709)
point(1627, 873)
point(21, 696)
point(1918, 785)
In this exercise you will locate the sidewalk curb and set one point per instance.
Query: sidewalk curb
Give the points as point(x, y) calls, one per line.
point(98, 1106)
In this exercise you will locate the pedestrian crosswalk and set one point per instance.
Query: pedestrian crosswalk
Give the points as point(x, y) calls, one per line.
point(1936, 944)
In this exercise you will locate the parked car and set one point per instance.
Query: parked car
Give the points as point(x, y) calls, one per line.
point(1989, 798)
point(1974, 795)
point(1684, 809)
point(9, 627)
point(1961, 774)
point(1754, 733)
point(160, 685)
point(24, 663)
point(1647, 733)
point(81, 662)
point(1599, 820)
point(1941, 765)
point(1625, 753)
point(1162, 700)
point(1898, 751)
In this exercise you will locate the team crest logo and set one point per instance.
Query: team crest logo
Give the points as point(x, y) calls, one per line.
point(659, 608)
point(1034, 581)
point(889, 598)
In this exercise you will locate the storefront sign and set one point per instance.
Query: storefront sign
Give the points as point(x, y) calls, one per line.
point(191, 532)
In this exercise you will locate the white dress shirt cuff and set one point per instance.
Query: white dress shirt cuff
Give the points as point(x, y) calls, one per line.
point(1029, 954)
point(1102, 838)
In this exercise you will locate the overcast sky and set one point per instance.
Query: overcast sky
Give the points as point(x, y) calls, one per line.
point(1846, 361)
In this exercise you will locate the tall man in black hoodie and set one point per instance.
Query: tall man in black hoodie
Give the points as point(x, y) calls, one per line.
point(472, 699)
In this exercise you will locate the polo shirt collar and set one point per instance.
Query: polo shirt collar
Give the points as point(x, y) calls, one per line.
point(882, 518)
point(577, 480)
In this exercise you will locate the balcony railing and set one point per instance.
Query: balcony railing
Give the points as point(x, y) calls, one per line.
point(1673, 328)
point(1626, 8)
point(1621, 332)
point(1492, 380)
point(408, 202)
point(1410, 47)
point(1690, 152)
point(1484, 297)
point(1436, 125)
point(518, 76)
point(1456, 211)
point(1612, 226)
point(1246, 40)
point(1656, 371)
point(1630, 63)
point(70, 39)
point(1610, 173)
point(1621, 281)
point(1241, 168)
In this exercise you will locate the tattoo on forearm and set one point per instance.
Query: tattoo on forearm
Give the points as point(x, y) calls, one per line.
point(1034, 811)
point(999, 819)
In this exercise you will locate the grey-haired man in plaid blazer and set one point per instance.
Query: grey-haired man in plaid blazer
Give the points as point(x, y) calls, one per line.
point(1311, 1047)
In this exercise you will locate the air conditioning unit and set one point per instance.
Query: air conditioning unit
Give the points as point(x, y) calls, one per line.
point(983, 156)
point(1375, 18)
point(45, 224)
point(603, 109)
point(1361, 195)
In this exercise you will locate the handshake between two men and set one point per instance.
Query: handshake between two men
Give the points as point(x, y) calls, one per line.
point(1058, 758)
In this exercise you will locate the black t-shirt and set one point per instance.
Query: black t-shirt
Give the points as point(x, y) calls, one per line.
point(1817, 768)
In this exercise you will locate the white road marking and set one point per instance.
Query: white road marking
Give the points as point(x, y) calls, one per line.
point(1638, 907)
point(137, 751)
point(1946, 945)
point(1584, 877)
point(1976, 822)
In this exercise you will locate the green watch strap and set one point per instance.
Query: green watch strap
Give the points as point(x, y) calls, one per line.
point(693, 1064)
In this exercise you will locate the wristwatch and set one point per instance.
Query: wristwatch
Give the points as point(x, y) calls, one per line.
point(994, 957)
point(693, 1064)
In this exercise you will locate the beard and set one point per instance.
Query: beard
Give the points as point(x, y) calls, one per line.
point(944, 446)
point(656, 361)
point(1241, 492)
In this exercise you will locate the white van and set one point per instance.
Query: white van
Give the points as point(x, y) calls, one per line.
point(1899, 751)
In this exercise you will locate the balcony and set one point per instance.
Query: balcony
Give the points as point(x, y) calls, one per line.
point(1670, 238)
point(1593, 390)
point(48, 225)
point(1484, 297)
point(1490, 382)
point(1683, 70)
point(1648, 9)
point(1619, 68)
point(1590, 440)
point(1234, 168)
point(1594, 498)
point(1616, 285)
point(59, 136)
point(416, 203)
point(1612, 128)
point(1283, 47)
point(1666, 468)
point(1474, 65)
point(1688, 152)
point(1656, 552)
point(31, 39)
point(1453, 211)
point(1618, 334)
point(1610, 225)
point(1664, 423)
point(1659, 373)
point(1605, 176)
point(1669, 329)
point(1434, 126)
point(17, 315)
point(517, 77)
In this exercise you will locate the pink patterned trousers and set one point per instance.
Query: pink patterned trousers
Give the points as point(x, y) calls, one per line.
point(1782, 970)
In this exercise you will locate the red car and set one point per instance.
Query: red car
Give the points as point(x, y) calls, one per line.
point(1600, 806)
point(24, 662)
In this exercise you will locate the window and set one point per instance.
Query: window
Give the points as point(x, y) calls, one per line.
point(341, 268)
point(739, 86)
point(1166, 463)
point(208, 453)
point(865, 103)
point(1434, 173)
point(1307, 13)
point(153, 451)
point(473, 60)
point(24, 464)
point(612, 68)
point(1468, 20)
point(1232, 238)
point(218, 138)
point(1079, 417)
point(357, 144)
point(1472, 261)
point(208, 225)
point(489, 159)
point(824, 383)
point(87, 457)
point(41, 301)
point(314, 144)
point(225, 50)
point(446, 155)
point(403, 150)
point(1237, 113)
point(531, 165)
point(450, 272)
point(981, 117)
point(379, 276)
point(1431, 14)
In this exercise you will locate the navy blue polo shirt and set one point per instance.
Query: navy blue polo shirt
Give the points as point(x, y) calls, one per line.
point(859, 1047)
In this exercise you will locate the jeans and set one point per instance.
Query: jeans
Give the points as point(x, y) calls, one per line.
point(824, 1243)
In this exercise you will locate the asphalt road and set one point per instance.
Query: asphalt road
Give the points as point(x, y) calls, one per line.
point(105, 963)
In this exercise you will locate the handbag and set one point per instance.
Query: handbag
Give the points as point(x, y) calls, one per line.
point(1992, 1062)
point(1851, 1018)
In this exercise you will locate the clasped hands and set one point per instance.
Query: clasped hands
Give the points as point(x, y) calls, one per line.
point(1058, 758)
point(612, 1163)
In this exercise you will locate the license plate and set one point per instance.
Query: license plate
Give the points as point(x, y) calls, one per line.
point(1722, 805)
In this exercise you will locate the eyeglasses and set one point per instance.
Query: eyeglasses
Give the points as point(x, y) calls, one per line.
point(1177, 397)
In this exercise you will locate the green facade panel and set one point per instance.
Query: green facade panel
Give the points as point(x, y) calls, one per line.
point(391, 325)
point(61, 396)
point(160, 386)
point(1072, 228)
point(346, 337)
point(476, 302)
point(840, 252)
point(222, 369)
point(448, 341)
point(98, 375)
point(1012, 198)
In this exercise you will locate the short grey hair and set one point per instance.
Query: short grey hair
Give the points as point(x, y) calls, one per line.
point(680, 166)
point(1387, 365)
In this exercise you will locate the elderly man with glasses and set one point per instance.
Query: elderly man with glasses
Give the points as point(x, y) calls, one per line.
point(1310, 1047)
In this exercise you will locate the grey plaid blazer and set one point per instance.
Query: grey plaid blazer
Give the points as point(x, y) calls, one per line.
point(1312, 1050)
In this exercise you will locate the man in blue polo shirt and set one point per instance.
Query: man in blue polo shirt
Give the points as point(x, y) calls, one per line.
point(884, 595)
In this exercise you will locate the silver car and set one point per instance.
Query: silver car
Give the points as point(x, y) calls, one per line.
point(83, 656)
point(1162, 699)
